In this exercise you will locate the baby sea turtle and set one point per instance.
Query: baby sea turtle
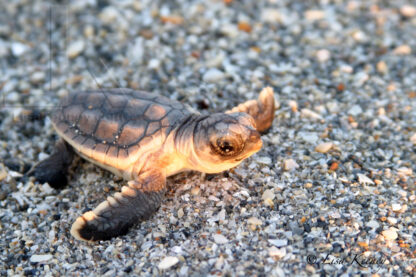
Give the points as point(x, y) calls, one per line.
point(145, 138)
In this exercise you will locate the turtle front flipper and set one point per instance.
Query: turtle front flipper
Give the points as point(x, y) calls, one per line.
point(262, 109)
point(53, 170)
point(113, 217)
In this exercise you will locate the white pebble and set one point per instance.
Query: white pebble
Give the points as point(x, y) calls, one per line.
point(18, 49)
point(42, 258)
point(323, 55)
point(335, 215)
point(213, 75)
point(403, 50)
point(347, 69)
point(408, 11)
point(310, 114)
point(109, 15)
point(313, 15)
point(75, 48)
point(359, 36)
point(308, 137)
point(168, 262)
point(276, 252)
point(324, 147)
point(290, 165)
point(37, 77)
point(413, 138)
point(362, 179)
point(230, 30)
point(372, 224)
point(264, 160)
point(278, 242)
point(180, 213)
point(390, 234)
point(392, 220)
point(254, 221)
point(402, 193)
point(268, 194)
point(396, 207)
point(271, 15)
point(219, 239)
point(355, 110)
point(405, 171)
point(154, 64)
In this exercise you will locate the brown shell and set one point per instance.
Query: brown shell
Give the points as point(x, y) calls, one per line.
point(111, 124)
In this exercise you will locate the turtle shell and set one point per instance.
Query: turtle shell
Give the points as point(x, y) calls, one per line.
point(114, 127)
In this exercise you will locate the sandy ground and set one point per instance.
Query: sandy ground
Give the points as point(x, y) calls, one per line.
point(332, 192)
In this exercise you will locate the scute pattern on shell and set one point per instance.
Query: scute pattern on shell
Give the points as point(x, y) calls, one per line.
point(115, 122)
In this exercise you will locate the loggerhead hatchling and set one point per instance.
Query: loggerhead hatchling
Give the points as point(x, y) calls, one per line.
point(145, 138)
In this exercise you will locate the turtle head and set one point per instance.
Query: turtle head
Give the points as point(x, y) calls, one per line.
point(222, 141)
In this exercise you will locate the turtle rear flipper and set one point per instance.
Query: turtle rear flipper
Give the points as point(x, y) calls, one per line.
point(53, 170)
point(113, 217)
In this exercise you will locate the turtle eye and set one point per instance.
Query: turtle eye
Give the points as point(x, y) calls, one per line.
point(226, 147)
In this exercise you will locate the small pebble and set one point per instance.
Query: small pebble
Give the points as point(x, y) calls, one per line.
point(311, 138)
point(403, 50)
point(109, 15)
point(271, 16)
point(277, 252)
point(213, 75)
point(396, 207)
point(392, 220)
point(180, 213)
point(168, 262)
point(290, 165)
point(373, 224)
point(220, 239)
point(195, 190)
point(75, 48)
point(355, 110)
point(390, 234)
point(382, 67)
point(278, 242)
point(408, 10)
point(324, 147)
point(18, 48)
point(154, 64)
point(310, 114)
point(254, 221)
point(308, 185)
point(404, 171)
point(413, 139)
point(323, 55)
point(264, 160)
point(3, 173)
point(37, 77)
point(362, 179)
point(268, 194)
point(313, 15)
point(40, 258)
point(347, 69)
point(293, 105)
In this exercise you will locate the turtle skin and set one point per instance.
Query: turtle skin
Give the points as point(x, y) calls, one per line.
point(145, 138)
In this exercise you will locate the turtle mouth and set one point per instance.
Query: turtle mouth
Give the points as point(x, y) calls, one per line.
point(253, 148)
